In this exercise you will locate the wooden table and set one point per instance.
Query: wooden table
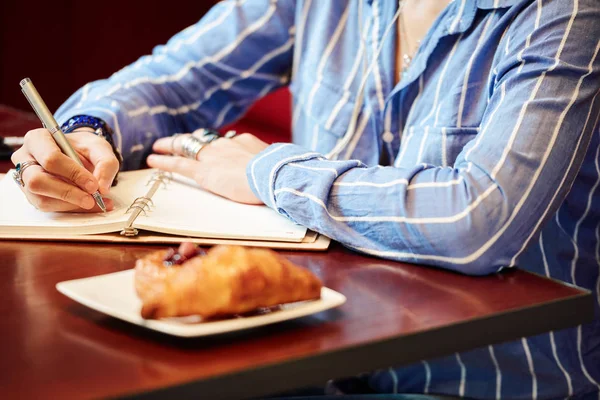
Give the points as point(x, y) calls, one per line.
point(395, 314)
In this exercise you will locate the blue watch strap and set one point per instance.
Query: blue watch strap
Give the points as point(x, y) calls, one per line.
point(96, 124)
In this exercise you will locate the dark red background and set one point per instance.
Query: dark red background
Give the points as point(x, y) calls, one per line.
point(62, 44)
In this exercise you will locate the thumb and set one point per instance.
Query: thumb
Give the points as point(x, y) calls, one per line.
point(106, 166)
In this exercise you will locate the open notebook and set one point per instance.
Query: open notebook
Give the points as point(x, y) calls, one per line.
point(164, 208)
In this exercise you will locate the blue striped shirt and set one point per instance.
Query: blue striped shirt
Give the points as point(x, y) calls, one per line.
point(485, 155)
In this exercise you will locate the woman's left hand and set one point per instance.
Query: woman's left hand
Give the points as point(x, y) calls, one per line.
point(220, 166)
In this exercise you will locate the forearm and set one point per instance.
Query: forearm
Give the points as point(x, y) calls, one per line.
point(423, 214)
point(480, 214)
point(206, 76)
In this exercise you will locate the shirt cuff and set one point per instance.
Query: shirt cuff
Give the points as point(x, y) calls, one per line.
point(263, 169)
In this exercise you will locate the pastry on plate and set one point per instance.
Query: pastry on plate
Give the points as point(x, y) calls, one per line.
point(224, 281)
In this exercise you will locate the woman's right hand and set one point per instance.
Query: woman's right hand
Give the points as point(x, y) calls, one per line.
point(59, 183)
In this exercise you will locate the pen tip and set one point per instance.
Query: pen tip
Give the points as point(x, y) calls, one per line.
point(99, 201)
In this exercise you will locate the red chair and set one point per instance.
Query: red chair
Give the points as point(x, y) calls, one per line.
point(269, 119)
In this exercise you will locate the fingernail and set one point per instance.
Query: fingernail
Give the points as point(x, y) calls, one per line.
point(90, 186)
point(87, 202)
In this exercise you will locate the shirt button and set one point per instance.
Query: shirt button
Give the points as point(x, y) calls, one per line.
point(388, 137)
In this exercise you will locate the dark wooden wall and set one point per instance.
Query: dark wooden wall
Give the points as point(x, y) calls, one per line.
point(63, 44)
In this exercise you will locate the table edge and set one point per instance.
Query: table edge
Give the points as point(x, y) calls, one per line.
point(396, 350)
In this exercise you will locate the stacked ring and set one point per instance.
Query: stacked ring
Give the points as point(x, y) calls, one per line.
point(20, 168)
point(192, 144)
point(173, 138)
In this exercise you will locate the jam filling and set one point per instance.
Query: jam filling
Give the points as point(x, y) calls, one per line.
point(174, 257)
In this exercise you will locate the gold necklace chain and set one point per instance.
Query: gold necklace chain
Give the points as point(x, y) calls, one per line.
point(407, 56)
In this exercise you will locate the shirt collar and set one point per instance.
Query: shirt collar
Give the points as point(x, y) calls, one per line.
point(484, 4)
point(462, 12)
point(493, 4)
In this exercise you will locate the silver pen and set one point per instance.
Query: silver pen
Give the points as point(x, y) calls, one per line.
point(50, 123)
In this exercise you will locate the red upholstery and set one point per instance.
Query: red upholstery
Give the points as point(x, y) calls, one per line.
point(269, 119)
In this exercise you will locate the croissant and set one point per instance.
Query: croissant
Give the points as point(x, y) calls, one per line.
point(227, 280)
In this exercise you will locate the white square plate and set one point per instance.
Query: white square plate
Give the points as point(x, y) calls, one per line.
point(114, 295)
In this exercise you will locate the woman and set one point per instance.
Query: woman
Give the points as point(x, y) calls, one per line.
point(457, 134)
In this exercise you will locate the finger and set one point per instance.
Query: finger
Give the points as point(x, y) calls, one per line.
point(169, 145)
point(39, 182)
point(44, 149)
point(179, 165)
point(20, 155)
point(106, 171)
point(49, 204)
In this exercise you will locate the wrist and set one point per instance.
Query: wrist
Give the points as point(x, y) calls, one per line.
point(94, 125)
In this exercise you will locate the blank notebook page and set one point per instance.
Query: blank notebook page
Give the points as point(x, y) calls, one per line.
point(182, 208)
point(18, 215)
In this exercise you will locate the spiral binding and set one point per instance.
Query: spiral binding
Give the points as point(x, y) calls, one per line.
point(144, 203)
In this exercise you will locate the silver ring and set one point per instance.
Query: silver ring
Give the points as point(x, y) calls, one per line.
point(191, 146)
point(173, 142)
point(20, 168)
